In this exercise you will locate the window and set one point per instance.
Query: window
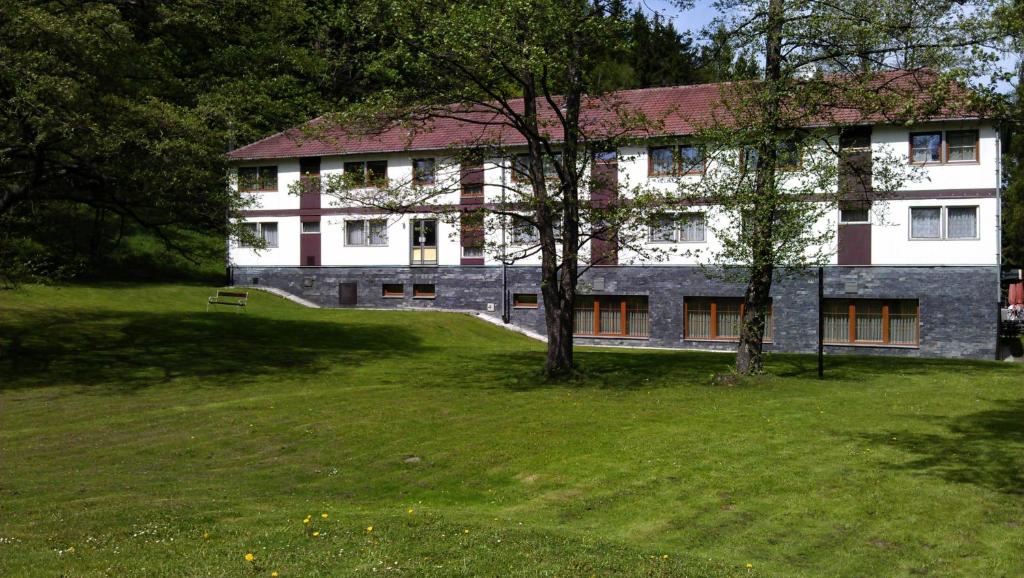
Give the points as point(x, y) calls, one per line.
point(961, 146)
point(524, 233)
point(473, 252)
point(721, 318)
point(521, 167)
point(265, 231)
point(423, 291)
point(525, 301)
point(311, 226)
point(788, 158)
point(850, 215)
point(371, 232)
point(678, 228)
point(926, 223)
point(473, 191)
point(672, 160)
point(392, 290)
point(960, 222)
point(612, 316)
point(366, 173)
point(423, 172)
point(871, 321)
point(926, 147)
point(257, 179)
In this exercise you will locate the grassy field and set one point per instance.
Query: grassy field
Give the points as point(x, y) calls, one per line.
point(141, 436)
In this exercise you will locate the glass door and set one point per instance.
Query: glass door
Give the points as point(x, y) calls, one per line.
point(424, 241)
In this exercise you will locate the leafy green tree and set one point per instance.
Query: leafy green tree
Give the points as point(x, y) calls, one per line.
point(114, 116)
point(1010, 19)
point(823, 65)
point(523, 69)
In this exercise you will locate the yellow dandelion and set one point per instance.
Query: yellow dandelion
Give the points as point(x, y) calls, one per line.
point(410, 510)
point(315, 534)
point(664, 556)
point(369, 528)
point(465, 531)
point(206, 535)
point(249, 557)
point(324, 515)
point(306, 521)
point(274, 574)
point(749, 565)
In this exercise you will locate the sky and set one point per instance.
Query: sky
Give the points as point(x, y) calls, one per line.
point(693, 20)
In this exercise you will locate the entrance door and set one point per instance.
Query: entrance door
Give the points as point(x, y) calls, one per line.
point(424, 241)
point(854, 238)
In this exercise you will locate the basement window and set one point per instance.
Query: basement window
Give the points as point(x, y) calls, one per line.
point(393, 290)
point(423, 291)
point(525, 301)
point(611, 316)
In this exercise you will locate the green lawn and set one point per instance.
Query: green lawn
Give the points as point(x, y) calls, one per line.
point(142, 436)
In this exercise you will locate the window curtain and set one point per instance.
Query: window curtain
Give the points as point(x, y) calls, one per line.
point(698, 319)
point(662, 161)
point(270, 234)
point(837, 321)
point(583, 316)
point(378, 232)
point(663, 228)
point(728, 318)
point(355, 234)
point(903, 322)
point(692, 228)
point(925, 223)
point(868, 325)
point(637, 318)
point(962, 222)
point(927, 148)
point(962, 145)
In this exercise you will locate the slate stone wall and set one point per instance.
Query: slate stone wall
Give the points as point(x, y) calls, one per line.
point(957, 304)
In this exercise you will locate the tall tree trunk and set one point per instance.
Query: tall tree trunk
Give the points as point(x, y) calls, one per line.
point(749, 357)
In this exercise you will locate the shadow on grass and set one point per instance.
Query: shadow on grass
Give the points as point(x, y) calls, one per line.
point(984, 449)
point(132, 350)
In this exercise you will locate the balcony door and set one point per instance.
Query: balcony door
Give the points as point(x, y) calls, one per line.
point(424, 241)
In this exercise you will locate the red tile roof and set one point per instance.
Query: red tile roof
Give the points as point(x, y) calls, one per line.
point(676, 110)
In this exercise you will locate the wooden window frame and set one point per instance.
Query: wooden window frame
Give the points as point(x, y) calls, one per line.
point(677, 161)
point(552, 176)
point(886, 319)
point(713, 307)
point(623, 308)
point(517, 304)
point(419, 178)
point(419, 291)
point(386, 294)
point(910, 150)
point(258, 183)
point(366, 182)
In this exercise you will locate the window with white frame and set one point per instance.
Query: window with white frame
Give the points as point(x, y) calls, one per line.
point(678, 228)
point(523, 232)
point(929, 223)
point(265, 231)
point(311, 226)
point(366, 232)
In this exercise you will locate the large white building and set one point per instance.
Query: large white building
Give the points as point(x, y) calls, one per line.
point(916, 274)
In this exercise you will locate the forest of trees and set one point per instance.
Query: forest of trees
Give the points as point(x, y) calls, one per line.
point(115, 115)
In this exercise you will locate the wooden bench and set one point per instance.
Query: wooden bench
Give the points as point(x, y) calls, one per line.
point(237, 299)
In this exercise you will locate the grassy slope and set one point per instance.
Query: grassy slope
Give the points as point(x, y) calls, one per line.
point(132, 424)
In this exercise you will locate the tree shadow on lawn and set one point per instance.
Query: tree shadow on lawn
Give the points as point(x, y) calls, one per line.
point(985, 448)
point(132, 350)
point(640, 369)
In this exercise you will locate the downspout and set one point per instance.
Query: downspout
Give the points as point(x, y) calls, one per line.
point(999, 233)
point(505, 316)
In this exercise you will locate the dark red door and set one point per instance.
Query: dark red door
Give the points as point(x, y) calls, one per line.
point(309, 242)
point(604, 189)
point(309, 177)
